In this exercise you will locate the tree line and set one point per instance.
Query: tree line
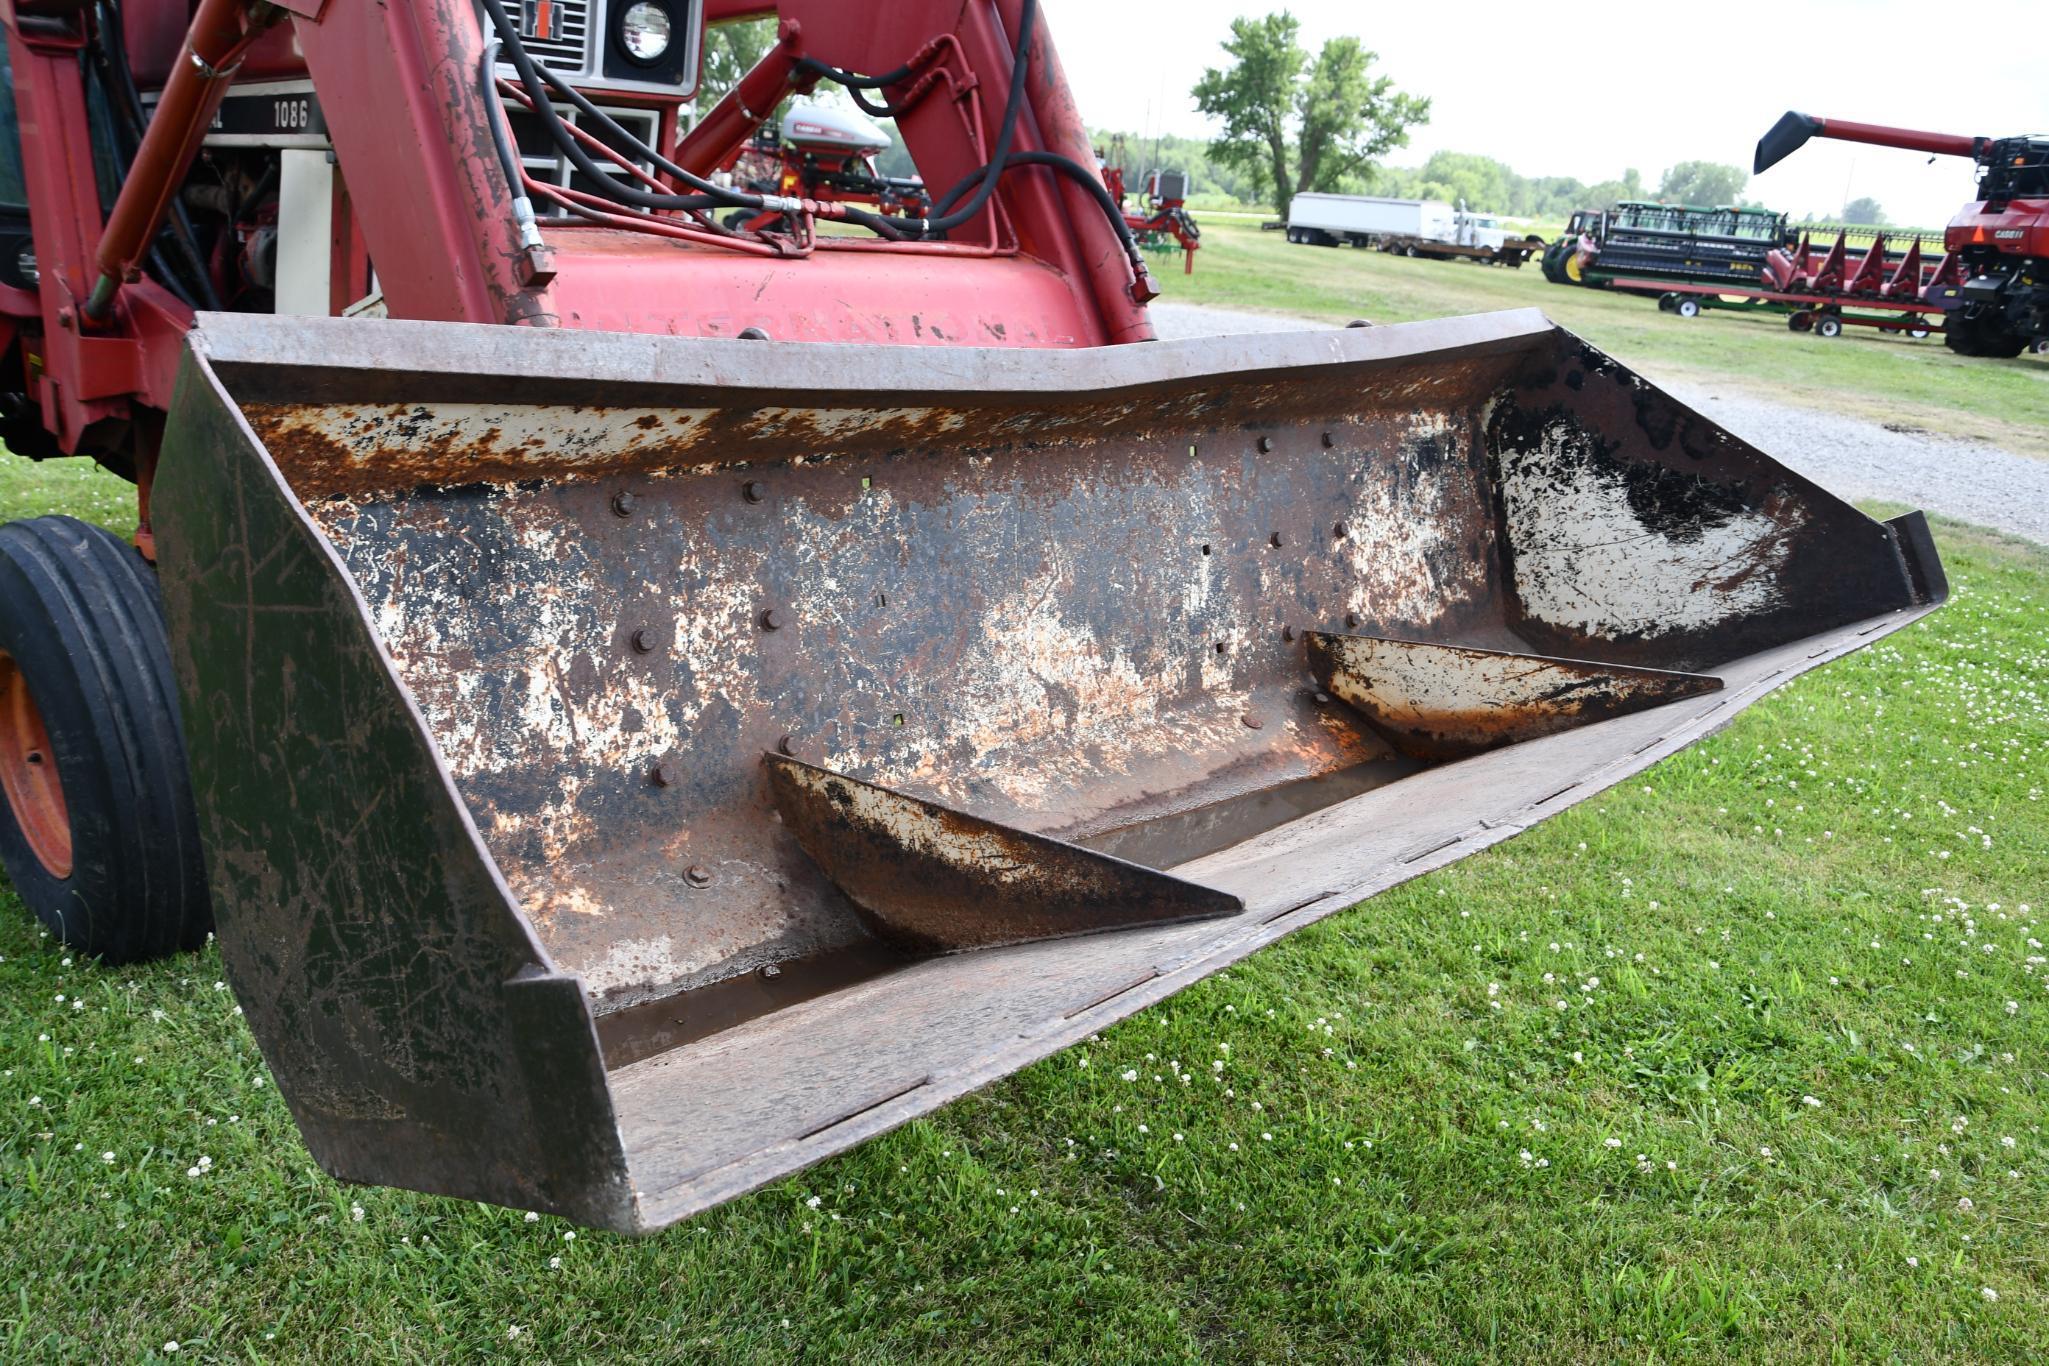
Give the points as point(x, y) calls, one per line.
point(1291, 120)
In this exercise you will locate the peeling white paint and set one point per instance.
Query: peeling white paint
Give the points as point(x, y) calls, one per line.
point(1586, 561)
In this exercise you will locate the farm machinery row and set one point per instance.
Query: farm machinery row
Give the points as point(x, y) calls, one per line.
point(1991, 284)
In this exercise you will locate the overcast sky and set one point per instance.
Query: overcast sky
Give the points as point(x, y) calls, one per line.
point(1586, 90)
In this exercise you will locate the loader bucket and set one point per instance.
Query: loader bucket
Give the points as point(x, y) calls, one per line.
point(633, 768)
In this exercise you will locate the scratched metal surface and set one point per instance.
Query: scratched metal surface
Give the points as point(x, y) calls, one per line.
point(1069, 612)
point(994, 594)
point(414, 1025)
point(1067, 634)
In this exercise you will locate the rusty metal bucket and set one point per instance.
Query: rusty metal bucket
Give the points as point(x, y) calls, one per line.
point(633, 768)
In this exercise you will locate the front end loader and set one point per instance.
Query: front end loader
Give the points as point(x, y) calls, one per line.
point(661, 704)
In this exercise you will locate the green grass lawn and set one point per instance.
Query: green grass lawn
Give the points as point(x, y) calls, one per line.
point(1863, 373)
point(1743, 1060)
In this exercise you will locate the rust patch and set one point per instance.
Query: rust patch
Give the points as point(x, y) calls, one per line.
point(936, 880)
point(1437, 702)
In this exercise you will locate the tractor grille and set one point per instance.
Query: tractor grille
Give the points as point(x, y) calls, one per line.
point(568, 50)
point(544, 161)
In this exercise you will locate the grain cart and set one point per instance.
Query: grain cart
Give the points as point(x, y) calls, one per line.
point(647, 705)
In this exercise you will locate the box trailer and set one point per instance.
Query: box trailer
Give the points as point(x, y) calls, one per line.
point(1410, 227)
point(1363, 220)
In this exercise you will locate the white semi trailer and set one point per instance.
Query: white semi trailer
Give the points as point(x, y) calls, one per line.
point(1412, 227)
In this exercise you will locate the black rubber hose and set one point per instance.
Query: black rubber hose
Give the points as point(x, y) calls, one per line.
point(1013, 106)
point(494, 110)
point(1074, 171)
point(538, 80)
point(856, 85)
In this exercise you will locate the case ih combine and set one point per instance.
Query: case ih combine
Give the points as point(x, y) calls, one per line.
point(647, 704)
point(1993, 289)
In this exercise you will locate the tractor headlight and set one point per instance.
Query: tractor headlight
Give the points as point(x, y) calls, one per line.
point(645, 31)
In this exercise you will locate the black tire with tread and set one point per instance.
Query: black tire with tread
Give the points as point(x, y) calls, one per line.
point(81, 617)
point(1978, 337)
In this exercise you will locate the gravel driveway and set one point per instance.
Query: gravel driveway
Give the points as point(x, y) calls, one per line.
point(1968, 480)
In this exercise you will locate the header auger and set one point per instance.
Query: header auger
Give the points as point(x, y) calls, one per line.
point(651, 704)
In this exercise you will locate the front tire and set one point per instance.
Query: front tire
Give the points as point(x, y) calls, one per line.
point(1982, 336)
point(97, 830)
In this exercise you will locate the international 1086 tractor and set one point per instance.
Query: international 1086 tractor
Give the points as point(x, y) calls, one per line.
point(646, 704)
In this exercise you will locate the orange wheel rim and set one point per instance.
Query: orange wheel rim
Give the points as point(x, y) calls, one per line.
point(28, 773)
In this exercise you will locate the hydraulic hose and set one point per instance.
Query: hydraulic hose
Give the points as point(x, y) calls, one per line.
point(1013, 106)
point(707, 196)
point(1081, 176)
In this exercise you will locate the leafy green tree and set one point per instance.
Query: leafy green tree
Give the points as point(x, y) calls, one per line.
point(1864, 212)
point(1708, 183)
point(1610, 191)
point(1292, 123)
point(730, 52)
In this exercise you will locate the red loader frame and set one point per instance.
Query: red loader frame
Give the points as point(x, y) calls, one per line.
point(423, 196)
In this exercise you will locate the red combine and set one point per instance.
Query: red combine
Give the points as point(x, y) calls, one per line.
point(647, 704)
point(1993, 286)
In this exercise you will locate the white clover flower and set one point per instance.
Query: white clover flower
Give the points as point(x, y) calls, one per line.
point(1990, 1295)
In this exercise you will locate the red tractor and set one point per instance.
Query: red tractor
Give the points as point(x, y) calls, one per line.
point(1996, 295)
point(646, 704)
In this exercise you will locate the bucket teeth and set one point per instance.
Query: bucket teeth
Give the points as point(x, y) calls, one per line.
point(1438, 702)
point(934, 880)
